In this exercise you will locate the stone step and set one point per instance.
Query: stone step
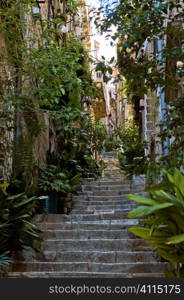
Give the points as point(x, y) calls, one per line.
point(138, 267)
point(114, 193)
point(83, 275)
point(106, 199)
point(82, 212)
point(108, 154)
point(112, 182)
point(96, 244)
point(85, 217)
point(110, 193)
point(99, 210)
point(93, 241)
point(91, 256)
point(110, 198)
point(86, 234)
point(106, 207)
point(112, 174)
point(109, 182)
point(103, 203)
point(97, 216)
point(94, 225)
point(106, 187)
point(102, 197)
point(113, 169)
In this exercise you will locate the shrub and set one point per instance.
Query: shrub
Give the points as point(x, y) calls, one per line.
point(132, 159)
point(163, 223)
point(17, 231)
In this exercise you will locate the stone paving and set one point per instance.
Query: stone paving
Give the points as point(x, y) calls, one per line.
point(93, 241)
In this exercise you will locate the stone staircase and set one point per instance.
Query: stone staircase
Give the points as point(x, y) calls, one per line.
point(93, 241)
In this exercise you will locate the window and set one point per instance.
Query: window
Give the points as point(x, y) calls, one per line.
point(99, 74)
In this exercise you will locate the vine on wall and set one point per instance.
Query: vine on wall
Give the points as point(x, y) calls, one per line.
point(36, 78)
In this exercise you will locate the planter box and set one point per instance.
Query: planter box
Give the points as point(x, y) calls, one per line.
point(49, 205)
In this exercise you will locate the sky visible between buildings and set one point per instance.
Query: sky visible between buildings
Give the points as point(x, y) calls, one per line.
point(109, 5)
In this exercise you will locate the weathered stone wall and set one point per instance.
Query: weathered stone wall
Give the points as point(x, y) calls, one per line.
point(6, 126)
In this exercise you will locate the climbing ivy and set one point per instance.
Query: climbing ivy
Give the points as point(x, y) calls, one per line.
point(51, 84)
point(79, 137)
point(41, 72)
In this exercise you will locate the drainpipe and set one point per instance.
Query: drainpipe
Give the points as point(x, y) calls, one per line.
point(161, 44)
point(145, 127)
point(162, 117)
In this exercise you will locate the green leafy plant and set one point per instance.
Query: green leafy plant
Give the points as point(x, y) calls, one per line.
point(163, 223)
point(36, 85)
point(52, 85)
point(112, 142)
point(79, 137)
point(5, 260)
point(137, 21)
point(53, 181)
point(99, 134)
point(132, 159)
point(141, 25)
point(17, 230)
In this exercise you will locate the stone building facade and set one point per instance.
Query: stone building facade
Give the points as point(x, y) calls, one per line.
point(154, 105)
point(109, 107)
point(10, 131)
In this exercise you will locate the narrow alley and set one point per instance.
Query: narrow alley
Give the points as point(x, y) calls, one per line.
point(93, 241)
point(91, 139)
